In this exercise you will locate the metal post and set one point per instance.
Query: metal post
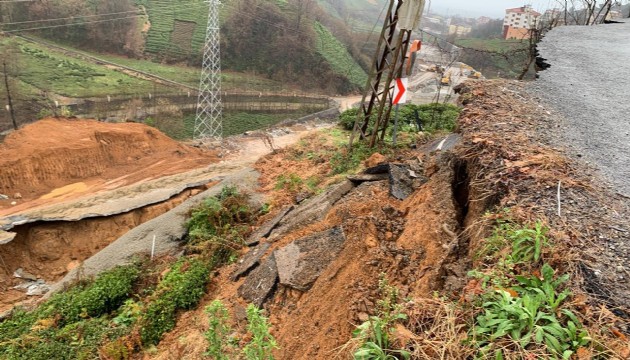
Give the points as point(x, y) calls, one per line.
point(395, 126)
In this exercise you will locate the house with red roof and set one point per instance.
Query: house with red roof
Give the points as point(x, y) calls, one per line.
point(519, 21)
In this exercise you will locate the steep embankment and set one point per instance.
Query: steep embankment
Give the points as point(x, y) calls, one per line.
point(57, 158)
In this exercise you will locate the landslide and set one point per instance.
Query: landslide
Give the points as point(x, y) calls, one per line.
point(507, 162)
point(48, 250)
point(56, 158)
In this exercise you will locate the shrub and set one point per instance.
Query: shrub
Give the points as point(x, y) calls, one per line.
point(262, 343)
point(181, 288)
point(104, 295)
point(218, 330)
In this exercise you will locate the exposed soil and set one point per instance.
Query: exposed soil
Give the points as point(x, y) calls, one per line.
point(427, 242)
point(48, 250)
point(59, 159)
point(415, 243)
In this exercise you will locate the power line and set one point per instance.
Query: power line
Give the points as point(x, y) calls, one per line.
point(74, 24)
point(68, 18)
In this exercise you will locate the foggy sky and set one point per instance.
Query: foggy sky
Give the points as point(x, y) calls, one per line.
point(491, 8)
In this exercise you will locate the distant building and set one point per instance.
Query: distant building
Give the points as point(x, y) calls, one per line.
point(552, 18)
point(459, 30)
point(483, 20)
point(518, 22)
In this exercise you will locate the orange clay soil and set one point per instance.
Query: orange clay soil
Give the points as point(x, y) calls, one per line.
point(49, 250)
point(55, 159)
point(405, 240)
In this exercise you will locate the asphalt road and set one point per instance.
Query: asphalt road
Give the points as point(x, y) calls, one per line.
point(588, 83)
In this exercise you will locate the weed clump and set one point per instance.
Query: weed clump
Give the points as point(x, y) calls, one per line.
point(181, 289)
point(432, 117)
point(72, 323)
point(218, 226)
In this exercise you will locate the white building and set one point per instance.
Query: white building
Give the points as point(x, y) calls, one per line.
point(523, 17)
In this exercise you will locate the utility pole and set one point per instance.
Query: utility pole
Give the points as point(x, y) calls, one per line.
point(6, 84)
point(388, 63)
point(209, 122)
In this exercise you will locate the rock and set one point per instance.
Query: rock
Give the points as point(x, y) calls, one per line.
point(250, 260)
point(20, 273)
point(361, 178)
point(301, 262)
point(400, 181)
point(265, 229)
point(363, 317)
point(37, 289)
point(311, 210)
point(375, 160)
point(3, 197)
point(17, 195)
point(260, 283)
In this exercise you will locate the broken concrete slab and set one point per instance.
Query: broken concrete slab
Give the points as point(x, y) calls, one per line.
point(361, 178)
point(400, 181)
point(169, 229)
point(260, 283)
point(250, 260)
point(265, 229)
point(312, 210)
point(301, 262)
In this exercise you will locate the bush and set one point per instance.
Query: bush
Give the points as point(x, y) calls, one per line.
point(181, 289)
point(107, 293)
point(433, 117)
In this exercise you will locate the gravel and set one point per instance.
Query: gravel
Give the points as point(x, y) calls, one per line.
point(588, 84)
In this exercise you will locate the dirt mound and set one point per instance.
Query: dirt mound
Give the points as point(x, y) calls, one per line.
point(59, 157)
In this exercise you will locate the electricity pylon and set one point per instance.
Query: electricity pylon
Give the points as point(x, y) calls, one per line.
point(209, 122)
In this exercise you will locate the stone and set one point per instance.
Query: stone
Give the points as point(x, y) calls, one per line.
point(250, 260)
point(20, 273)
point(400, 181)
point(260, 283)
point(311, 211)
point(265, 229)
point(301, 262)
point(38, 288)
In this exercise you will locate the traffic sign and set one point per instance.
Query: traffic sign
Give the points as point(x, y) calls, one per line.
point(400, 92)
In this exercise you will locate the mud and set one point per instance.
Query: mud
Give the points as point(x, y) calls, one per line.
point(49, 250)
point(55, 158)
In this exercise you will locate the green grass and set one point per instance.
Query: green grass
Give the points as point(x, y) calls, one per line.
point(233, 123)
point(338, 56)
point(46, 70)
point(162, 16)
point(188, 75)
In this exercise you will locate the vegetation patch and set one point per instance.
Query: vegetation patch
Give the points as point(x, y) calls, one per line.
point(71, 324)
point(181, 289)
point(338, 56)
point(221, 344)
point(431, 118)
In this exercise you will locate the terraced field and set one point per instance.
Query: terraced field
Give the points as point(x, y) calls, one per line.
point(338, 56)
point(188, 17)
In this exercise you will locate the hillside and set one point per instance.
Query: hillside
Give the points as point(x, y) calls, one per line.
point(428, 250)
point(279, 40)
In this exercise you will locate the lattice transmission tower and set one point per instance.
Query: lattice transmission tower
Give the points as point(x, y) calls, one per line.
point(209, 122)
